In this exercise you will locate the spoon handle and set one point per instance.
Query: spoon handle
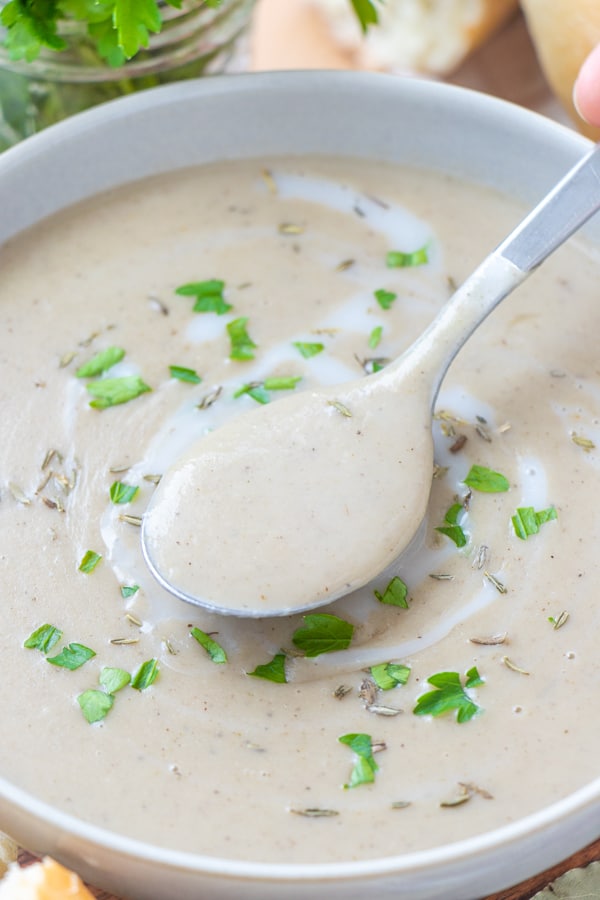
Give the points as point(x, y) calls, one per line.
point(565, 209)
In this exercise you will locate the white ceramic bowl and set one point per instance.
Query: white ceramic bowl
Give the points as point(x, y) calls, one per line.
point(370, 116)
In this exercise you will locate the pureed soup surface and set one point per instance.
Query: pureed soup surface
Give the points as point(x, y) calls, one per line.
point(203, 756)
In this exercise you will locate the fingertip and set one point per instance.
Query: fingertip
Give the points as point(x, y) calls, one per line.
point(586, 91)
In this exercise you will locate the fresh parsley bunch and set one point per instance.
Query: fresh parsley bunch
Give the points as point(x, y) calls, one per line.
point(118, 28)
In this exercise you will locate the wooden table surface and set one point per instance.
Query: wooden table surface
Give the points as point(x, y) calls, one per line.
point(521, 82)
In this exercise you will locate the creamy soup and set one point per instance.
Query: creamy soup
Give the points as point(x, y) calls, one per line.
point(177, 304)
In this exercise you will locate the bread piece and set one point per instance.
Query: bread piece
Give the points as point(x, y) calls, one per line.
point(564, 32)
point(426, 36)
point(45, 880)
point(8, 852)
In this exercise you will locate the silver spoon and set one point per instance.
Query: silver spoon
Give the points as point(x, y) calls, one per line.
point(293, 505)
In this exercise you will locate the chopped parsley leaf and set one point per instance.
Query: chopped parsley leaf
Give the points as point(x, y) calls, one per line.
point(366, 13)
point(95, 705)
point(364, 764)
point(395, 593)
point(128, 590)
point(260, 390)
point(396, 259)
point(99, 363)
point(389, 675)
point(307, 349)
point(214, 650)
point(43, 638)
point(323, 633)
point(145, 675)
point(208, 294)
point(89, 562)
point(273, 670)
point(114, 391)
point(385, 298)
point(71, 657)
point(375, 337)
point(113, 679)
point(527, 520)
point(183, 374)
point(449, 695)
point(242, 345)
point(452, 529)
point(122, 493)
point(481, 479)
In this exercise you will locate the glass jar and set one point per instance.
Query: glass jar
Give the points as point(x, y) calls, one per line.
point(195, 40)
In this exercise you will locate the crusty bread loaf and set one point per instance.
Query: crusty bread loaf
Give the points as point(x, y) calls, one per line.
point(45, 880)
point(564, 32)
point(428, 36)
point(8, 852)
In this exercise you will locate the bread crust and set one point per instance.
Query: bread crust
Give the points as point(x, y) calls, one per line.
point(45, 880)
point(564, 32)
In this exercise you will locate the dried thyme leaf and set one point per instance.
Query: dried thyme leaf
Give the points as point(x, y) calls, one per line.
point(131, 520)
point(368, 692)
point(491, 640)
point(400, 804)
point(560, 620)
point(19, 495)
point(133, 619)
point(379, 710)
point(341, 691)
point(337, 404)
point(124, 641)
point(463, 795)
point(315, 813)
point(501, 588)
point(513, 667)
point(210, 398)
point(345, 265)
point(583, 442)
point(270, 182)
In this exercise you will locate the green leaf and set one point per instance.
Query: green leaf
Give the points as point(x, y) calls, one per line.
point(122, 493)
point(481, 479)
point(307, 349)
point(385, 298)
point(259, 390)
point(282, 383)
point(71, 657)
point(242, 345)
point(89, 562)
point(273, 670)
point(29, 27)
point(128, 590)
point(527, 520)
point(145, 675)
point(43, 638)
point(375, 337)
point(396, 259)
point(95, 705)
point(364, 765)
point(113, 680)
point(214, 650)
point(133, 19)
point(395, 593)
point(208, 294)
point(366, 13)
point(449, 695)
point(452, 529)
point(99, 363)
point(183, 374)
point(323, 633)
point(389, 675)
point(113, 391)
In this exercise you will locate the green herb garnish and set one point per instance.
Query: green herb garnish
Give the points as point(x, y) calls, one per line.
point(307, 349)
point(113, 391)
point(527, 520)
point(323, 633)
point(273, 670)
point(214, 650)
point(485, 480)
point(396, 259)
point(71, 657)
point(145, 675)
point(89, 562)
point(260, 390)
point(375, 337)
point(122, 493)
point(128, 590)
point(208, 294)
point(183, 374)
point(43, 638)
point(389, 675)
point(366, 13)
point(395, 593)
point(385, 298)
point(242, 345)
point(95, 705)
point(364, 764)
point(449, 695)
point(99, 363)
point(113, 679)
point(452, 529)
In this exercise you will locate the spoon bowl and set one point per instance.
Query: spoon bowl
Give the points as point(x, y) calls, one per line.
point(292, 506)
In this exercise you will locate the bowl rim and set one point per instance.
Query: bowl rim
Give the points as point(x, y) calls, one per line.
point(536, 824)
